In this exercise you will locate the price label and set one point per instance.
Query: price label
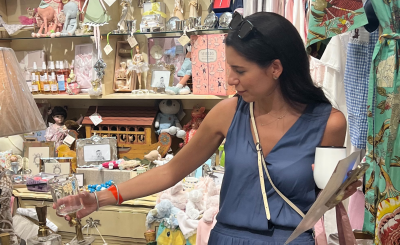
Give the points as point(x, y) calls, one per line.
point(184, 39)
point(54, 87)
point(96, 119)
point(132, 41)
point(69, 140)
point(108, 49)
point(110, 2)
point(60, 78)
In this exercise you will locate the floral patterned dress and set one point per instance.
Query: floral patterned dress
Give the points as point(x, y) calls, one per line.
point(383, 143)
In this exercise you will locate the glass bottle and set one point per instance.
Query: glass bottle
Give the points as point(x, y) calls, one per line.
point(35, 79)
point(44, 237)
point(53, 83)
point(44, 82)
point(61, 78)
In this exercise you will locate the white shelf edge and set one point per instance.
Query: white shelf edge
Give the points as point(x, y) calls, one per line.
point(127, 96)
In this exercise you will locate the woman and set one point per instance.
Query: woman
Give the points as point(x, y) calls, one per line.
point(269, 68)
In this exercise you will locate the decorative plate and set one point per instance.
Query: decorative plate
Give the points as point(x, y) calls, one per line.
point(156, 52)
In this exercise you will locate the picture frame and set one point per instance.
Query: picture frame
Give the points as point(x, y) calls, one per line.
point(80, 178)
point(160, 79)
point(35, 150)
point(96, 150)
point(56, 165)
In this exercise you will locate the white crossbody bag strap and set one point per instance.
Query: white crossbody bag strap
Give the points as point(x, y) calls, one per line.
point(261, 163)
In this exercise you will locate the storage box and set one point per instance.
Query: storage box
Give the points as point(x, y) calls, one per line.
point(85, 58)
point(94, 176)
point(209, 68)
point(26, 59)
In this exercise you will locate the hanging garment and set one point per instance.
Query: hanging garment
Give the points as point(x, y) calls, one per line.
point(359, 54)
point(332, 17)
point(382, 189)
point(299, 18)
point(289, 10)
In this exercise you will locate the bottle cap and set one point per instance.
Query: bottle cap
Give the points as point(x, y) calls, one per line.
point(61, 64)
point(44, 66)
point(34, 66)
point(51, 65)
point(65, 64)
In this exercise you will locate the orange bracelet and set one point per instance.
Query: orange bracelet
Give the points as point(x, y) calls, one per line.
point(114, 190)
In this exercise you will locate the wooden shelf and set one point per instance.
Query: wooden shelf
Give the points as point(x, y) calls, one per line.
point(128, 96)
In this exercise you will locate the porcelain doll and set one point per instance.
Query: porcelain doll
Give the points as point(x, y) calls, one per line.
point(14, 164)
point(185, 73)
point(139, 66)
point(193, 7)
point(57, 132)
point(178, 10)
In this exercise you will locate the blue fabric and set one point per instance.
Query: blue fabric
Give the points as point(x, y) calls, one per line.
point(186, 68)
point(289, 164)
point(356, 80)
point(227, 235)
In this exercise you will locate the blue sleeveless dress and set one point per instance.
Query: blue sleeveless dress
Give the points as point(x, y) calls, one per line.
point(242, 219)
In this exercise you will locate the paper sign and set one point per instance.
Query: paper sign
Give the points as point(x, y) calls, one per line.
point(132, 41)
point(108, 49)
point(184, 39)
point(110, 2)
point(69, 140)
point(96, 119)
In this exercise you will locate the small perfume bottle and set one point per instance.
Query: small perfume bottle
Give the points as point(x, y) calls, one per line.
point(35, 79)
point(44, 237)
point(44, 82)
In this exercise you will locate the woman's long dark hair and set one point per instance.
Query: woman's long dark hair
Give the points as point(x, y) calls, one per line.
point(279, 39)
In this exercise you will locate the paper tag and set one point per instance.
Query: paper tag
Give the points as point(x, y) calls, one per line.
point(110, 2)
point(35, 88)
point(46, 87)
point(108, 49)
point(54, 87)
point(132, 41)
point(69, 140)
point(96, 119)
point(184, 39)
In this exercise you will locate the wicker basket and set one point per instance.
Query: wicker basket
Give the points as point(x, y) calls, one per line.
point(150, 236)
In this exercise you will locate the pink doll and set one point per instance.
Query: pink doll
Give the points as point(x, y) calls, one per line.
point(31, 19)
point(57, 132)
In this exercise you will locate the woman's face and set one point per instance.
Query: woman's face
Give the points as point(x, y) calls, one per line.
point(250, 80)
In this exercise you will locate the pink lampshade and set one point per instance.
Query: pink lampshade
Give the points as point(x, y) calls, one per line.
point(18, 111)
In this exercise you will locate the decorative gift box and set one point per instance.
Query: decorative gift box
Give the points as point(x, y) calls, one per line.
point(209, 68)
point(85, 58)
point(26, 59)
point(223, 6)
point(156, 9)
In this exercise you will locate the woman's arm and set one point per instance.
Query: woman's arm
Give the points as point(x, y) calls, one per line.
point(335, 130)
point(209, 136)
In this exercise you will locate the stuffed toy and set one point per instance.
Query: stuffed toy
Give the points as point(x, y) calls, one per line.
point(176, 195)
point(161, 210)
point(167, 119)
point(164, 160)
point(195, 206)
point(198, 114)
point(212, 203)
point(153, 156)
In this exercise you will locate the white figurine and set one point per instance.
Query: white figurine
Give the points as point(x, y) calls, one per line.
point(178, 10)
point(193, 8)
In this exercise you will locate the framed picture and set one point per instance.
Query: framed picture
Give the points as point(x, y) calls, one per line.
point(96, 150)
point(56, 165)
point(80, 178)
point(160, 79)
point(34, 151)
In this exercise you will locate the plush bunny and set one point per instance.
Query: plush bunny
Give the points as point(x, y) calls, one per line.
point(176, 195)
point(161, 210)
point(163, 161)
point(167, 120)
point(212, 203)
point(195, 206)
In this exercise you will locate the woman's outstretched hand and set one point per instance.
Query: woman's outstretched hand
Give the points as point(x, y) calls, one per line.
point(351, 189)
point(88, 201)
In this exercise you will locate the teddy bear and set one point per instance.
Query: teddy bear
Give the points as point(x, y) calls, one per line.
point(176, 195)
point(195, 205)
point(212, 203)
point(167, 120)
point(161, 210)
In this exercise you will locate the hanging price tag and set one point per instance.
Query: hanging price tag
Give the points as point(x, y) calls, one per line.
point(132, 41)
point(96, 118)
point(108, 49)
point(110, 2)
point(184, 39)
point(69, 140)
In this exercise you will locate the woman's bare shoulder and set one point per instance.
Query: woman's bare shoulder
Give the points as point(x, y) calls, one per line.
point(335, 131)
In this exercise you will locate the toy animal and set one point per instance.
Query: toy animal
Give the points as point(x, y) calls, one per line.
point(71, 11)
point(198, 114)
point(46, 19)
point(167, 120)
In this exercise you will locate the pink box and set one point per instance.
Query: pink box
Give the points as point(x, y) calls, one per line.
point(209, 68)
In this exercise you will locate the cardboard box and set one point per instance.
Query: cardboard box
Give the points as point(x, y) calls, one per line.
point(85, 58)
point(209, 68)
point(26, 59)
point(94, 176)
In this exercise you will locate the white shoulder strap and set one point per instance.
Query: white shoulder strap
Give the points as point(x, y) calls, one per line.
point(261, 164)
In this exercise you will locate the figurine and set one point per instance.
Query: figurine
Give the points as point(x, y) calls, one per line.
point(14, 164)
point(57, 132)
point(185, 73)
point(30, 20)
point(139, 66)
point(167, 120)
point(122, 22)
point(83, 29)
point(198, 114)
point(178, 10)
point(73, 88)
point(122, 71)
point(47, 19)
point(193, 8)
point(70, 11)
